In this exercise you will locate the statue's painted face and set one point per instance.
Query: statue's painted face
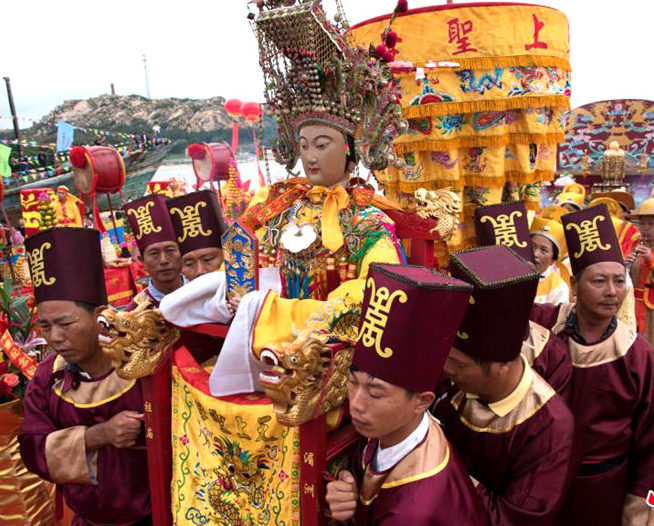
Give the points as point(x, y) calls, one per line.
point(324, 154)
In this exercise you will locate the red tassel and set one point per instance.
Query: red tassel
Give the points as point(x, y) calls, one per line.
point(77, 156)
point(402, 6)
point(391, 40)
point(381, 50)
point(196, 151)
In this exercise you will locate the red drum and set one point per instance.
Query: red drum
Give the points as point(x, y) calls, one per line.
point(97, 169)
point(211, 161)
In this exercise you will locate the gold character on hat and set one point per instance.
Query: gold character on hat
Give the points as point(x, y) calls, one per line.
point(376, 316)
point(191, 221)
point(589, 237)
point(37, 266)
point(505, 229)
point(144, 220)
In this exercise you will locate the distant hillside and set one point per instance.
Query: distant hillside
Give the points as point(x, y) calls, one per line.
point(185, 120)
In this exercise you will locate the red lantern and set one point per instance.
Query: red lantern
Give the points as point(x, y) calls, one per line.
point(252, 111)
point(233, 108)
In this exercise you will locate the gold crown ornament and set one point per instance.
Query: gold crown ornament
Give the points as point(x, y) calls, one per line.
point(314, 74)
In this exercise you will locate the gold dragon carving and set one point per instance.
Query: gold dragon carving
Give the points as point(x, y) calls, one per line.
point(443, 206)
point(135, 341)
point(305, 378)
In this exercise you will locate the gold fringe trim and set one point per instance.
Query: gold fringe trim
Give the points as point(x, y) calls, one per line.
point(475, 141)
point(515, 177)
point(485, 182)
point(506, 61)
point(470, 106)
point(408, 187)
point(537, 176)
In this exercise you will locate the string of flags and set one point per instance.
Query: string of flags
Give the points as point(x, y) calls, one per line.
point(60, 164)
point(86, 130)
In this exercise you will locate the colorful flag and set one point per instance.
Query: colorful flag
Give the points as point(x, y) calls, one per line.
point(65, 136)
point(5, 152)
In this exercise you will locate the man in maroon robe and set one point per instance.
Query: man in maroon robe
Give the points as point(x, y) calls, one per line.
point(549, 357)
point(199, 226)
point(153, 230)
point(506, 224)
point(513, 432)
point(82, 426)
point(612, 383)
point(408, 472)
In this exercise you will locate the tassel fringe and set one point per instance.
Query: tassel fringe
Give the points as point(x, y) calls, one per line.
point(476, 141)
point(513, 103)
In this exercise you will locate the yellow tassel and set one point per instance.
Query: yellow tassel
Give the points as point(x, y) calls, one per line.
point(532, 205)
point(408, 187)
point(475, 141)
point(537, 176)
point(485, 182)
point(513, 103)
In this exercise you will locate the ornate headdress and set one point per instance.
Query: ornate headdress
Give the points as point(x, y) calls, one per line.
point(314, 74)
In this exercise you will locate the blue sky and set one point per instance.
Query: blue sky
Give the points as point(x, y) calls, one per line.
point(54, 51)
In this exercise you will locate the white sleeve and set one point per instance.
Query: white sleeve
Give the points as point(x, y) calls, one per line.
point(203, 299)
point(199, 301)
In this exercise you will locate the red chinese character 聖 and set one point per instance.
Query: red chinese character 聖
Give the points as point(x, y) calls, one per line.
point(536, 44)
point(457, 32)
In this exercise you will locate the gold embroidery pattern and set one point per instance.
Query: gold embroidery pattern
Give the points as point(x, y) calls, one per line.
point(376, 317)
point(144, 220)
point(505, 229)
point(191, 221)
point(589, 236)
point(37, 266)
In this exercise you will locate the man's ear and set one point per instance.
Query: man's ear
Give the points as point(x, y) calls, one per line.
point(573, 285)
point(425, 401)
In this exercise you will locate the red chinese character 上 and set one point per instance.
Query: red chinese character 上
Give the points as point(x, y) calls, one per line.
point(457, 32)
point(536, 44)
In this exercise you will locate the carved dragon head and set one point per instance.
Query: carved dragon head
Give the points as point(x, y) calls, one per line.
point(135, 341)
point(442, 205)
point(305, 378)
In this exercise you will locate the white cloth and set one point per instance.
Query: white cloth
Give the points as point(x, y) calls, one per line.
point(203, 301)
point(237, 371)
point(386, 458)
point(199, 301)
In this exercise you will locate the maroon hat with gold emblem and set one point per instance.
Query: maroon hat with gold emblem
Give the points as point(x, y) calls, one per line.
point(408, 322)
point(66, 264)
point(150, 221)
point(197, 220)
point(505, 284)
point(591, 238)
point(504, 224)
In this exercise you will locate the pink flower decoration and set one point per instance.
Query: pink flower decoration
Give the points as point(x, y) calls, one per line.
point(282, 475)
point(183, 439)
